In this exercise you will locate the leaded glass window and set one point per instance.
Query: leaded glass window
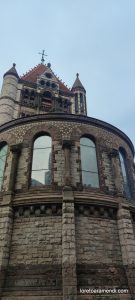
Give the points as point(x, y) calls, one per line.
point(3, 155)
point(124, 174)
point(89, 163)
point(42, 161)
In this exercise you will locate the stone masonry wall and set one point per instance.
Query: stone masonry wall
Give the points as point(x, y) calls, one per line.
point(5, 238)
point(60, 130)
point(35, 254)
point(97, 240)
point(22, 172)
point(36, 240)
point(99, 260)
point(107, 172)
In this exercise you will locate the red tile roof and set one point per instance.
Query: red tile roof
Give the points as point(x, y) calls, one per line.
point(37, 71)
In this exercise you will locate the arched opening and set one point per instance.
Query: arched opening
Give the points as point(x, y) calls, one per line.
point(126, 183)
point(41, 173)
point(89, 167)
point(3, 156)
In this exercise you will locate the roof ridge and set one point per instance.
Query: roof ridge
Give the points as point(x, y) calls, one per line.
point(31, 70)
point(60, 80)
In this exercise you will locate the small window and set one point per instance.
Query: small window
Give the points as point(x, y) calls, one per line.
point(76, 103)
point(47, 94)
point(3, 155)
point(42, 161)
point(124, 174)
point(89, 163)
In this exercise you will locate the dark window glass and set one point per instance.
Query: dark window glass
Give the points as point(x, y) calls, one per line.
point(81, 102)
point(3, 154)
point(89, 163)
point(76, 103)
point(124, 175)
point(42, 161)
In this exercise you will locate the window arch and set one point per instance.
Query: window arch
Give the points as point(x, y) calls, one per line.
point(3, 155)
point(89, 163)
point(41, 173)
point(122, 157)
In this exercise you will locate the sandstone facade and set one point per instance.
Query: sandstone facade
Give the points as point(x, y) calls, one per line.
point(64, 240)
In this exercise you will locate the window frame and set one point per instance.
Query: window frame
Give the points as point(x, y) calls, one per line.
point(2, 145)
point(38, 135)
point(126, 184)
point(92, 139)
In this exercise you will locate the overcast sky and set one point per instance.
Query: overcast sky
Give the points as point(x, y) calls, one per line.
point(95, 38)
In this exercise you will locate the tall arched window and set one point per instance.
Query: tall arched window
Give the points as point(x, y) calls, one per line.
point(124, 173)
point(3, 155)
point(42, 161)
point(89, 163)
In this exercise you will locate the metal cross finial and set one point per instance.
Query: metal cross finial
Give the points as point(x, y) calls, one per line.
point(43, 55)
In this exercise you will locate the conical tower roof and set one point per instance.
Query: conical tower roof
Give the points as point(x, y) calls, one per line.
point(12, 71)
point(77, 84)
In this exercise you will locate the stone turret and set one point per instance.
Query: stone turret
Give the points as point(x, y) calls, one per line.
point(79, 92)
point(8, 95)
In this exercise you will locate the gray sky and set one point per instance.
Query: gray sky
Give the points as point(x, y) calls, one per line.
point(95, 38)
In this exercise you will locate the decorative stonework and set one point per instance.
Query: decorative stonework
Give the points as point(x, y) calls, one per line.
point(96, 211)
point(38, 210)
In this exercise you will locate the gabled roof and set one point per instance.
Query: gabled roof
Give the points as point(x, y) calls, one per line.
point(33, 74)
point(12, 71)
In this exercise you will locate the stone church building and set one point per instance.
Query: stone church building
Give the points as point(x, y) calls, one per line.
point(67, 195)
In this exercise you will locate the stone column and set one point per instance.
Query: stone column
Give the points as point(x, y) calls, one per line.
point(68, 248)
point(67, 146)
point(118, 181)
point(127, 242)
point(6, 221)
point(16, 150)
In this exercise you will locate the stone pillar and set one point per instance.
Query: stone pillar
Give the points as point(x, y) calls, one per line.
point(6, 220)
point(68, 248)
point(118, 181)
point(66, 146)
point(127, 242)
point(16, 150)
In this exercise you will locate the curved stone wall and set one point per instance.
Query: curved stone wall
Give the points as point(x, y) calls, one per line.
point(61, 239)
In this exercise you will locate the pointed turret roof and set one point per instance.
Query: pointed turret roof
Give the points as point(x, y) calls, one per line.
point(12, 71)
point(77, 84)
point(34, 73)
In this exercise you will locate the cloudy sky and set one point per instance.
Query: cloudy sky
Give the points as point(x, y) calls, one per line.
point(95, 38)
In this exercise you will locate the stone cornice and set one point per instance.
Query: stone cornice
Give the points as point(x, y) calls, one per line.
point(69, 118)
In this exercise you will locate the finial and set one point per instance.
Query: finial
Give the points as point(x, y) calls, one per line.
point(43, 55)
point(49, 65)
point(77, 75)
point(14, 65)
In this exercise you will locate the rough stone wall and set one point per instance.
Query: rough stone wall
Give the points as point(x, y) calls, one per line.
point(36, 240)
point(22, 170)
point(58, 164)
point(5, 238)
point(99, 259)
point(106, 163)
point(35, 262)
point(59, 130)
point(74, 160)
point(7, 171)
point(99, 242)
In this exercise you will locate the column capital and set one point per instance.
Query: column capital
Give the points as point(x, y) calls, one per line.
point(16, 148)
point(66, 143)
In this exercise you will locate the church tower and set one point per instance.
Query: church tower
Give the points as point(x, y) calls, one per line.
point(8, 101)
point(67, 194)
point(79, 92)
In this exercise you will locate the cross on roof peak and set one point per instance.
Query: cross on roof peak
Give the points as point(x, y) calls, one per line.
point(43, 56)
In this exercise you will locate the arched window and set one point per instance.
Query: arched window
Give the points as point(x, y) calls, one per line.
point(124, 173)
point(3, 154)
point(89, 163)
point(42, 161)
